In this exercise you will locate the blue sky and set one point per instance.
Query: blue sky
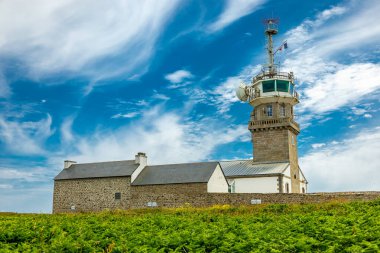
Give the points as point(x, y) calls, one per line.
point(94, 81)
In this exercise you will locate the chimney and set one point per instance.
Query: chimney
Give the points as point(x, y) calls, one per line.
point(141, 159)
point(68, 163)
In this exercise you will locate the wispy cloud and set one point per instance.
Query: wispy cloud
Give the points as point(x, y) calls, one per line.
point(82, 37)
point(329, 83)
point(348, 165)
point(165, 136)
point(5, 90)
point(25, 137)
point(125, 115)
point(234, 10)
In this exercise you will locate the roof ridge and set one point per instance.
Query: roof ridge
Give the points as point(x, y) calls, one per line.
point(180, 163)
point(104, 162)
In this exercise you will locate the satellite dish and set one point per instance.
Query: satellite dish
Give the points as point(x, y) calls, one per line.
point(241, 92)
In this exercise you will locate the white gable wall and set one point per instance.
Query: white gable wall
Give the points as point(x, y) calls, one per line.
point(256, 185)
point(285, 181)
point(217, 181)
point(303, 183)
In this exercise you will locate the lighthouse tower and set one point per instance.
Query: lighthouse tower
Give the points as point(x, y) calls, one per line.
point(272, 95)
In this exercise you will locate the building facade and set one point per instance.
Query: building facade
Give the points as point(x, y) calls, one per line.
point(134, 183)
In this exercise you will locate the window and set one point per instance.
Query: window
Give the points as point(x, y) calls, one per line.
point(295, 176)
point(282, 110)
point(269, 111)
point(282, 85)
point(268, 86)
point(287, 187)
point(303, 189)
point(117, 195)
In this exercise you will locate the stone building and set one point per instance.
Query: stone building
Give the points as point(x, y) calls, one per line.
point(134, 183)
point(110, 185)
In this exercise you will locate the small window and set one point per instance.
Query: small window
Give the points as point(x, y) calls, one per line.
point(295, 176)
point(282, 110)
point(268, 86)
point(117, 195)
point(287, 187)
point(269, 111)
point(303, 189)
point(282, 85)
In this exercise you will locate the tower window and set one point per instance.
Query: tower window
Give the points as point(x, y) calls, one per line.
point(282, 110)
point(303, 190)
point(117, 195)
point(268, 86)
point(269, 111)
point(282, 85)
point(287, 187)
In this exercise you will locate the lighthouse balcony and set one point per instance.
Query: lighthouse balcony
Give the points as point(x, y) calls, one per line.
point(255, 125)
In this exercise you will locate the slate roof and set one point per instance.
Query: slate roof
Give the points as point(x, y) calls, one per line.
point(243, 168)
point(176, 173)
point(96, 170)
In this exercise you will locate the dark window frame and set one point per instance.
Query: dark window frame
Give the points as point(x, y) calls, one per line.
point(269, 86)
point(117, 195)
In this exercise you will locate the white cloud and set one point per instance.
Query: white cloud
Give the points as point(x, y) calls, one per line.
point(66, 35)
point(25, 137)
point(125, 115)
point(5, 90)
point(367, 115)
point(6, 186)
point(179, 76)
point(319, 54)
point(66, 129)
point(234, 10)
point(165, 136)
point(225, 94)
point(351, 165)
point(346, 86)
point(318, 145)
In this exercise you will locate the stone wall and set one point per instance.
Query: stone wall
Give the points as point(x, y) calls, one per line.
point(271, 145)
point(92, 194)
point(238, 199)
point(167, 195)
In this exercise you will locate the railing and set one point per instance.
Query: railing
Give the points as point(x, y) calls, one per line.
point(277, 121)
point(264, 75)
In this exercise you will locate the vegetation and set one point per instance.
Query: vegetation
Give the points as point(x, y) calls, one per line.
point(329, 227)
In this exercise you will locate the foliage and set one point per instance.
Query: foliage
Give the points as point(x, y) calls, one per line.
point(329, 227)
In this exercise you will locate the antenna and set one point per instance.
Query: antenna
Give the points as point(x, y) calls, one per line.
point(270, 30)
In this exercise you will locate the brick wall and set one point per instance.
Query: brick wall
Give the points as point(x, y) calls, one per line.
point(93, 194)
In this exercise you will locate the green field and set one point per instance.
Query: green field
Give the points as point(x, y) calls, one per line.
point(331, 227)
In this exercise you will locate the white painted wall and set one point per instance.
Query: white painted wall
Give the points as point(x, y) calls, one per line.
point(142, 161)
point(284, 181)
point(256, 185)
point(287, 172)
point(217, 181)
point(303, 185)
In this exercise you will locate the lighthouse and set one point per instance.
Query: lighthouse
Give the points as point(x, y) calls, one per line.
point(272, 124)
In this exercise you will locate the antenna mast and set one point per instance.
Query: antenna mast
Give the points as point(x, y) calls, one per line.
point(270, 30)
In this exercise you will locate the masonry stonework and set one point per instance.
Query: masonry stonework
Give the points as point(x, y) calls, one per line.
point(239, 199)
point(91, 194)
